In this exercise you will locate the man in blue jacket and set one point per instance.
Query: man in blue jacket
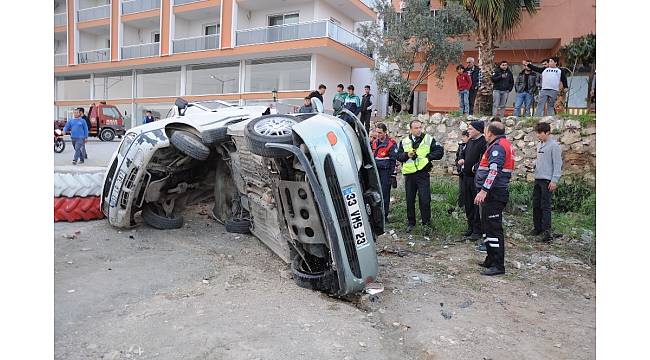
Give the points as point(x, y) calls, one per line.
point(384, 149)
point(78, 133)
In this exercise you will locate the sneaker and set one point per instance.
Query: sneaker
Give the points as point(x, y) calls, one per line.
point(468, 232)
point(481, 248)
point(409, 228)
point(81, 162)
point(74, 162)
point(493, 271)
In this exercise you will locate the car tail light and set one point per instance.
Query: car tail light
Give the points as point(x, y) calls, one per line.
point(331, 137)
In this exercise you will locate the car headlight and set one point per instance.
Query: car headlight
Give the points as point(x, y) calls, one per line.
point(128, 139)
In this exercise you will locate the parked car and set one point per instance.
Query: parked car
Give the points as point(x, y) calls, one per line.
point(105, 122)
point(306, 185)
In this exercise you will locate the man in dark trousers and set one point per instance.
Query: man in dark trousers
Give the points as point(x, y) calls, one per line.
point(416, 152)
point(493, 178)
point(384, 149)
point(84, 153)
point(366, 109)
point(473, 153)
point(475, 74)
point(548, 169)
point(460, 154)
point(503, 82)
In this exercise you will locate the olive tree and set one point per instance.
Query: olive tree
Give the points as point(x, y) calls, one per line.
point(414, 43)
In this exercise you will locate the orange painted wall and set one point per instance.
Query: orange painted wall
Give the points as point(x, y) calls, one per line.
point(71, 47)
point(560, 19)
point(226, 23)
point(115, 28)
point(164, 34)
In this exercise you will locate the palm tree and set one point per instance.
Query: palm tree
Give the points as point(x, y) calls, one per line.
point(496, 20)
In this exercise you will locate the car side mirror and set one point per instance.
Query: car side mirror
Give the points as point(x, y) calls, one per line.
point(181, 104)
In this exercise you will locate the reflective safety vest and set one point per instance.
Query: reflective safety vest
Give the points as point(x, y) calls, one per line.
point(412, 166)
point(509, 161)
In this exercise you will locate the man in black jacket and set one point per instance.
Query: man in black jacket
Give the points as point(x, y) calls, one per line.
point(366, 111)
point(503, 83)
point(472, 155)
point(416, 152)
point(475, 74)
point(460, 154)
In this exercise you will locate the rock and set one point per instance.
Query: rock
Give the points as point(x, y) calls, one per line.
point(396, 324)
point(518, 158)
point(463, 126)
point(465, 304)
point(508, 130)
point(516, 264)
point(558, 345)
point(436, 118)
point(548, 119)
point(532, 294)
point(510, 121)
point(446, 314)
point(206, 281)
point(69, 236)
point(111, 355)
point(363, 344)
point(587, 296)
point(590, 130)
point(424, 117)
point(518, 237)
point(71, 291)
point(442, 128)
point(570, 137)
point(520, 144)
point(518, 134)
point(577, 147)
point(286, 274)
point(451, 145)
point(572, 124)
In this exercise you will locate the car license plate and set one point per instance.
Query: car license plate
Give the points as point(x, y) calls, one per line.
point(356, 220)
point(116, 187)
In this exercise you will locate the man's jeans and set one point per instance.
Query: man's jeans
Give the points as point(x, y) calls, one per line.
point(526, 99)
point(463, 97)
point(472, 100)
point(78, 144)
point(499, 99)
point(548, 97)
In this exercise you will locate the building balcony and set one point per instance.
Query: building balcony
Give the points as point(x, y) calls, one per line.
point(182, 2)
point(140, 50)
point(93, 56)
point(136, 6)
point(60, 19)
point(61, 59)
point(197, 43)
point(94, 13)
point(301, 31)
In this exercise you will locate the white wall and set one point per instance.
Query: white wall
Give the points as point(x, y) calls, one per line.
point(62, 46)
point(83, 4)
point(362, 77)
point(92, 42)
point(185, 28)
point(259, 18)
point(324, 11)
point(133, 35)
point(332, 73)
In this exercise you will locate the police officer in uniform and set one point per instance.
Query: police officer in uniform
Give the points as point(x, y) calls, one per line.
point(492, 179)
point(384, 149)
point(416, 152)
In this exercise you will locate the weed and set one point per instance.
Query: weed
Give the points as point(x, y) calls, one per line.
point(455, 113)
point(584, 119)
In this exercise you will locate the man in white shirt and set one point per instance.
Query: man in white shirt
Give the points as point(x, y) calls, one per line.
point(551, 78)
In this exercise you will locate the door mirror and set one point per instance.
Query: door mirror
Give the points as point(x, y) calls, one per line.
point(181, 104)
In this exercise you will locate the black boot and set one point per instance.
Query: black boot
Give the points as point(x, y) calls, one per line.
point(409, 228)
point(493, 271)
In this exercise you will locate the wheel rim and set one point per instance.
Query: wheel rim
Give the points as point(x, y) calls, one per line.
point(58, 146)
point(106, 135)
point(274, 126)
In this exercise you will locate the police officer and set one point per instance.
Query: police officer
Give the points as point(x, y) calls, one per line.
point(384, 149)
point(416, 152)
point(492, 179)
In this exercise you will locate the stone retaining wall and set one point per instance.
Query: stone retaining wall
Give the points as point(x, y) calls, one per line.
point(578, 143)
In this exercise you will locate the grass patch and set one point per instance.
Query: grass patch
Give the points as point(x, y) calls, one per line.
point(455, 113)
point(584, 119)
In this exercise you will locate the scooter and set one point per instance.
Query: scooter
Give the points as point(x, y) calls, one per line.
point(59, 143)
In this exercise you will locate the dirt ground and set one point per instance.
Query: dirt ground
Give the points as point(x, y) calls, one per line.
point(202, 293)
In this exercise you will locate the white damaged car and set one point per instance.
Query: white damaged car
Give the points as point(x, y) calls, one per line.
point(306, 185)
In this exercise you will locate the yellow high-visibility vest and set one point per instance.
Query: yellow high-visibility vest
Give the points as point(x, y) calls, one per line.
point(422, 151)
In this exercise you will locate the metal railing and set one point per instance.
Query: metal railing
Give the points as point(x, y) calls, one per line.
point(140, 50)
point(197, 43)
point(92, 56)
point(136, 6)
point(94, 13)
point(60, 19)
point(181, 2)
point(305, 30)
point(60, 59)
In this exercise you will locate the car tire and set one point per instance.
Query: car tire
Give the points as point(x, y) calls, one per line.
point(320, 281)
point(215, 136)
point(190, 145)
point(238, 226)
point(154, 216)
point(107, 134)
point(270, 129)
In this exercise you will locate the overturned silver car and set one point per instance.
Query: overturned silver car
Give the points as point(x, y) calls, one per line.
point(304, 184)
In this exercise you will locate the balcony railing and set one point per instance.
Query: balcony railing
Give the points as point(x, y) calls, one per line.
point(60, 59)
point(60, 19)
point(93, 56)
point(94, 13)
point(181, 2)
point(197, 43)
point(140, 50)
point(136, 6)
point(306, 30)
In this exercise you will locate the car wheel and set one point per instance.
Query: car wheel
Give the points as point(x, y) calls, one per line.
point(59, 146)
point(321, 281)
point(190, 145)
point(107, 134)
point(238, 226)
point(270, 129)
point(214, 136)
point(154, 216)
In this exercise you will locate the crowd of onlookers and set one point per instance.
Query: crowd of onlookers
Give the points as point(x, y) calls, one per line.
point(543, 83)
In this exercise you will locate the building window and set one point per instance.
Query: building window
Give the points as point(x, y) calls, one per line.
point(211, 29)
point(283, 19)
point(213, 79)
point(114, 85)
point(159, 111)
point(155, 37)
point(73, 88)
point(280, 74)
point(158, 82)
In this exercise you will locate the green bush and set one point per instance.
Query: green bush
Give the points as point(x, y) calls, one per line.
point(521, 193)
point(571, 195)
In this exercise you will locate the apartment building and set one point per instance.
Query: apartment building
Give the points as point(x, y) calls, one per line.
point(556, 23)
point(142, 54)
